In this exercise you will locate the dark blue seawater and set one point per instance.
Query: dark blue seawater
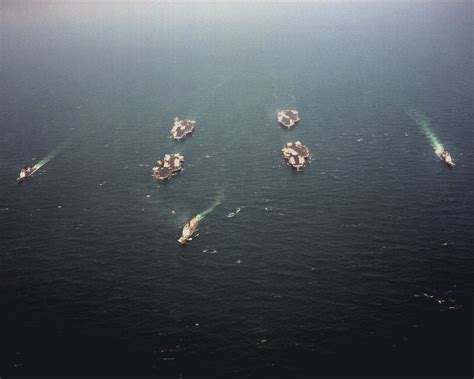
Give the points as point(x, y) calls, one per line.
point(361, 264)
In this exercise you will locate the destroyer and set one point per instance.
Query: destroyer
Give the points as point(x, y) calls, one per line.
point(446, 157)
point(168, 166)
point(296, 154)
point(182, 128)
point(25, 173)
point(288, 118)
point(189, 229)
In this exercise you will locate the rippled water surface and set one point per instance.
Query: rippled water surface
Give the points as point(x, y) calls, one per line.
point(360, 264)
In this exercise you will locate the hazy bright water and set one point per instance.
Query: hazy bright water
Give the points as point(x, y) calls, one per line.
point(360, 264)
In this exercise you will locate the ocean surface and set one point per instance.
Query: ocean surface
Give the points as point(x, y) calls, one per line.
point(362, 264)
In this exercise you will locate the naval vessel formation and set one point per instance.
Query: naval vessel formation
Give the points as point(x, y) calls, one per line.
point(295, 153)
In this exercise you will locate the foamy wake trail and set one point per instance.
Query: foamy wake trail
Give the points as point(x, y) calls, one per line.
point(214, 205)
point(51, 155)
point(424, 123)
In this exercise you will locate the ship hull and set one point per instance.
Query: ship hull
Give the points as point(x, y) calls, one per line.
point(189, 229)
point(21, 179)
point(448, 163)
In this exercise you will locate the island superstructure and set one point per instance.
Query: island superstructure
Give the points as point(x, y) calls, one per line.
point(296, 154)
point(181, 128)
point(168, 166)
point(288, 118)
